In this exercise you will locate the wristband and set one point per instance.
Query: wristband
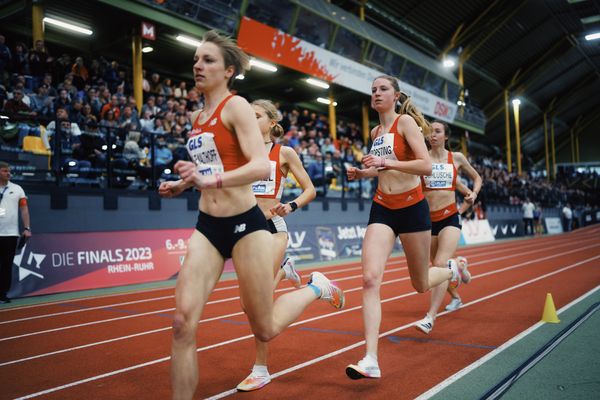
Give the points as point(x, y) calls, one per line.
point(293, 205)
point(27, 229)
point(219, 180)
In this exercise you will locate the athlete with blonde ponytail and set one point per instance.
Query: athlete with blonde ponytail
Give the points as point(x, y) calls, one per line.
point(268, 195)
point(398, 157)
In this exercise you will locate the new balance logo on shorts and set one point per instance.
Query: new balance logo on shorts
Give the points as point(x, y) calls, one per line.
point(239, 228)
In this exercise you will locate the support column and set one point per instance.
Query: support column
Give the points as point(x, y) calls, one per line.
point(365, 123)
point(332, 121)
point(37, 22)
point(518, 139)
point(546, 147)
point(507, 128)
point(136, 46)
point(553, 147)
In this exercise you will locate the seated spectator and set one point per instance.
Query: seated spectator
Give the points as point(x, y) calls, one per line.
point(109, 124)
point(16, 109)
point(89, 152)
point(132, 151)
point(80, 73)
point(112, 106)
point(61, 115)
point(181, 90)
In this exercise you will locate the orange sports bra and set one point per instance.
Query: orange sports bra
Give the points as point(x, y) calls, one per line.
point(271, 188)
point(392, 145)
point(443, 176)
point(213, 147)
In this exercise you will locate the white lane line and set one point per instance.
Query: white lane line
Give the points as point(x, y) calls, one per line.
point(472, 250)
point(362, 342)
point(400, 261)
point(450, 380)
point(304, 321)
point(396, 260)
point(318, 359)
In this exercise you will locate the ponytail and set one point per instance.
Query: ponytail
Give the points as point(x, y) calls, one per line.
point(407, 107)
point(273, 114)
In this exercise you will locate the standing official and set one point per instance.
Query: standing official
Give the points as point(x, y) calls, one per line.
point(12, 199)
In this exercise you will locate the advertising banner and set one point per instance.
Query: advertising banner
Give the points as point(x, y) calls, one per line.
point(506, 228)
point(553, 225)
point(477, 231)
point(61, 262)
point(279, 47)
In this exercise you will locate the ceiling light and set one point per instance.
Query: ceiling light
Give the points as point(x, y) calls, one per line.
point(67, 25)
point(318, 83)
point(591, 19)
point(262, 65)
point(448, 62)
point(147, 49)
point(326, 101)
point(240, 77)
point(188, 40)
point(592, 36)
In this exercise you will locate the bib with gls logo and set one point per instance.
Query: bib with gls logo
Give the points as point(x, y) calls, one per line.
point(204, 153)
point(442, 176)
point(383, 146)
point(266, 186)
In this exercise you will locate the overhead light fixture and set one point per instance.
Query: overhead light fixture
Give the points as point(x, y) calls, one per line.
point(67, 25)
point(591, 19)
point(592, 36)
point(188, 40)
point(326, 101)
point(147, 49)
point(516, 102)
point(240, 77)
point(317, 83)
point(448, 62)
point(263, 65)
point(461, 103)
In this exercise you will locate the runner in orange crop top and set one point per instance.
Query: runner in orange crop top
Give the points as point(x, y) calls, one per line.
point(228, 155)
point(268, 193)
point(398, 157)
point(440, 193)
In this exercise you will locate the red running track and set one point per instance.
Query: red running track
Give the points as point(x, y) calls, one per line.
point(118, 346)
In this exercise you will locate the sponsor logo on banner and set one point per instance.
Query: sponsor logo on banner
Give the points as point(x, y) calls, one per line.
point(506, 228)
point(61, 262)
point(277, 46)
point(477, 231)
point(553, 225)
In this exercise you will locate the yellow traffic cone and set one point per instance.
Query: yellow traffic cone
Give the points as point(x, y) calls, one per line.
point(550, 311)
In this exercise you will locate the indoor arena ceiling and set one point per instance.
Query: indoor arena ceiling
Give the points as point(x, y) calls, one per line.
point(534, 48)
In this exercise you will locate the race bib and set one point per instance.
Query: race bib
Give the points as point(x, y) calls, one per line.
point(204, 153)
point(266, 187)
point(441, 176)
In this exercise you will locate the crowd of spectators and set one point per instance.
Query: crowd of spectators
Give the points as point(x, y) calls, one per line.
point(91, 103)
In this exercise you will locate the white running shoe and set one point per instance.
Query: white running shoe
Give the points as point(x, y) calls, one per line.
point(454, 304)
point(455, 280)
point(254, 381)
point(465, 275)
point(290, 273)
point(425, 325)
point(329, 290)
point(366, 368)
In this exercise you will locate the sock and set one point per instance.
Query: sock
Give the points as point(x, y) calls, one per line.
point(371, 358)
point(315, 289)
point(260, 370)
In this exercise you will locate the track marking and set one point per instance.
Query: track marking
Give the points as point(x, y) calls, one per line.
point(315, 360)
